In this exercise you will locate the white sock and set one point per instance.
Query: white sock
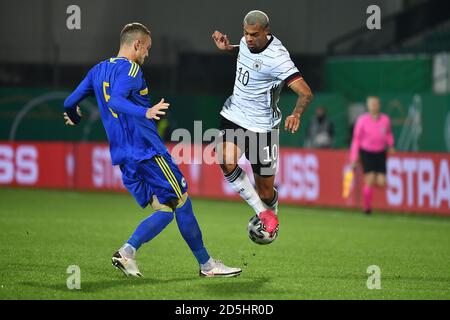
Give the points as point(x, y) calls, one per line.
point(274, 204)
point(208, 265)
point(241, 183)
point(128, 251)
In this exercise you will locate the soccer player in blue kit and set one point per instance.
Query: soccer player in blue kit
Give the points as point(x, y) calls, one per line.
point(148, 170)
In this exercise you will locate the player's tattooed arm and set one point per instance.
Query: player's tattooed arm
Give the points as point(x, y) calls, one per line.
point(222, 42)
point(305, 96)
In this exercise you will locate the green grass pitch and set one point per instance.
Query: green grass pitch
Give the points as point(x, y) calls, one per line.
point(320, 253)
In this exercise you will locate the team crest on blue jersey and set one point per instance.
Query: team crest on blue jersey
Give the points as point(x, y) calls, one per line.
point(257, 64)
point(183, 182)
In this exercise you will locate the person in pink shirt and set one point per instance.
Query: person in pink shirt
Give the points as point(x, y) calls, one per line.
point(372, 137)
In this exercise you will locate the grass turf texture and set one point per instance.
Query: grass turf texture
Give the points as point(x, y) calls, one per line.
point(320, 254)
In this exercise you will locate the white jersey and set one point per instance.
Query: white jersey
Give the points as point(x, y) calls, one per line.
point(260, 78)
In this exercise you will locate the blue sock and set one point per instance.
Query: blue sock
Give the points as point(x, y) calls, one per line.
point(191, 231)
point(150, 228)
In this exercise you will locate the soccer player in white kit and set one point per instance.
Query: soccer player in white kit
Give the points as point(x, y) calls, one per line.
point(263, 67)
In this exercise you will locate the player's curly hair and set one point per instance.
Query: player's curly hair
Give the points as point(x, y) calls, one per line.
point(130, 32)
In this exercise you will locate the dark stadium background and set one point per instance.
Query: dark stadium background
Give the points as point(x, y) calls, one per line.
point(405, 63)
point(38, 52)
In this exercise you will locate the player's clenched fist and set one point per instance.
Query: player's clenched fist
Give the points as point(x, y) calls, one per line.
point(221, 41)
point(156, 111)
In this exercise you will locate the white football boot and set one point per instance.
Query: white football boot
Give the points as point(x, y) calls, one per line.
point(215, 268)
point(127, 265)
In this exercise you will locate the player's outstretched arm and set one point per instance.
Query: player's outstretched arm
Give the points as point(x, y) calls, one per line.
point(119, 100)
point(222, 42)
point(305, 97)
point(120, 103)
point(72, 114)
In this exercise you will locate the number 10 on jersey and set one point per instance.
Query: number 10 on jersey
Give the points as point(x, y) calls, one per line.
point(243, 77)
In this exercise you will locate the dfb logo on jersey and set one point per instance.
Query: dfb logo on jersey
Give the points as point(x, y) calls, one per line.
point(257, 64)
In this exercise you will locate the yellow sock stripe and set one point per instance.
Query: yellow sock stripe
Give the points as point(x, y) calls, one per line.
point(132, 69)
point(171, 179)
point(136, 70)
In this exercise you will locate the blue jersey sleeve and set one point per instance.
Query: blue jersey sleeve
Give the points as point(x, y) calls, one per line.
point(83, 90)
point(124, 84)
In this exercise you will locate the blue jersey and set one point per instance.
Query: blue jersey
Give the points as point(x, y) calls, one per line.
point(123, 100)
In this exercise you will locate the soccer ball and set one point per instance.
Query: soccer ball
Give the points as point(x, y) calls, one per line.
point(257, 234)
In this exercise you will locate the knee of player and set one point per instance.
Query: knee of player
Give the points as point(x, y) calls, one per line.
point(229, 160)
point(228, 168)
point(178, 203)
point(228, 157)
point(369, 179)
point(168, 210)
point(381, 183)
point(169, 207)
